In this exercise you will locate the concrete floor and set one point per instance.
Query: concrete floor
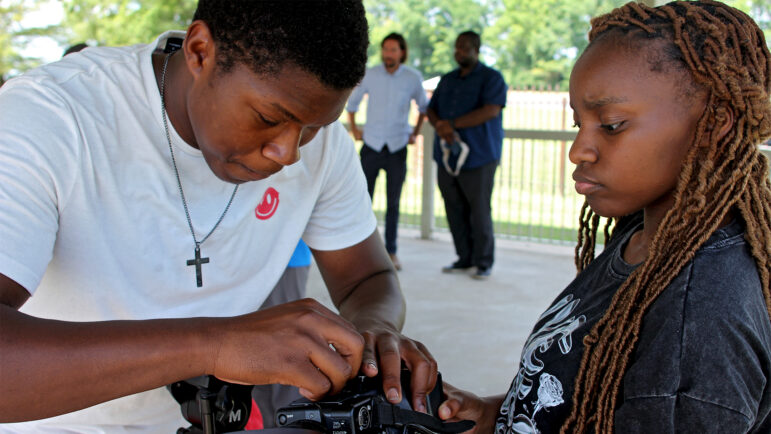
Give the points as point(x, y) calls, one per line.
point(474, 329)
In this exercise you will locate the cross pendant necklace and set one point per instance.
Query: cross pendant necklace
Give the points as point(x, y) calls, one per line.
point(198, 260)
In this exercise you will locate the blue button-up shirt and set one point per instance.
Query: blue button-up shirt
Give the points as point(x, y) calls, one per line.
point(388, 107)
point(455, 96)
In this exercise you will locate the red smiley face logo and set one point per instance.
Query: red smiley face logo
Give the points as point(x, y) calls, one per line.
point(268, 206)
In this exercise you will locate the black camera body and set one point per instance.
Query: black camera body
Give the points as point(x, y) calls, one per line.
point(213, 406)
point(361, 407)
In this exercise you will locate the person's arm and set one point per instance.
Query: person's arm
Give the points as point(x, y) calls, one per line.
point(476, 117)
point(419, 95)
point(353, 106)
point(493, 94)
point(443, 128)
point(416, 130)
point(462, 405)
point(363, 285)
point(50, 367)
point(355, 131)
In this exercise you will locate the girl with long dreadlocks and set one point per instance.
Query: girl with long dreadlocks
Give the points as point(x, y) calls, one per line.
point(668, 329)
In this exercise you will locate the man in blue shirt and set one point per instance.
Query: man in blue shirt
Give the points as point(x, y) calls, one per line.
point(390, 86)
point(466, 108)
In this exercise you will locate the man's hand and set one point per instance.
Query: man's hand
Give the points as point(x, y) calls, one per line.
point(301, 343)
point(288, 344)
point(384, 350)
point(356, 133)
point(363, 285)
point(445, 130)
point(462, 405)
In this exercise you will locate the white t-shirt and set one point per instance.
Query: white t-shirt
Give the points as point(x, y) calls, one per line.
point(92, 224)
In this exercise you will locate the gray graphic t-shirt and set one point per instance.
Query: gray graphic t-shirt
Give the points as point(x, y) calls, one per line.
point(702, 362)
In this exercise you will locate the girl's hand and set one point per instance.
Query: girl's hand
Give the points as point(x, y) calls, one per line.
point(462, 405)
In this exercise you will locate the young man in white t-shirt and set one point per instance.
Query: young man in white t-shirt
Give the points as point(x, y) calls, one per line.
point(128, 258)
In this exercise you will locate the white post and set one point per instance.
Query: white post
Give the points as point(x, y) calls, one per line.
point(429, 177)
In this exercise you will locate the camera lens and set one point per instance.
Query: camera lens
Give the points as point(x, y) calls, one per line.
point(281, 419)
point(363, 418)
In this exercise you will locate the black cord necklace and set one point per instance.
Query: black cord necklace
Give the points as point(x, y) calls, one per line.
point(197, 260)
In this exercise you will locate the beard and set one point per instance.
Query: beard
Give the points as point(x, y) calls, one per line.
point(390, 62)
point(465, 62)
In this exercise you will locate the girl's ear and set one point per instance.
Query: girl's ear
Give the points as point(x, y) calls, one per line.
point(723, 115)
point(724, 119)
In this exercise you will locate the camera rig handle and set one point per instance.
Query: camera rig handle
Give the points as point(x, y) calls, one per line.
point(212, 406)
point(386, 414)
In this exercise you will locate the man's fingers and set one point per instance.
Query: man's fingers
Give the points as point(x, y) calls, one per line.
point(333, 366)
point(339, 356)
point(369, 356)
point(421, 385)
point(449, 409)
point(332, 354)
point(390, 368)
point(423, 368)
point(313, 384)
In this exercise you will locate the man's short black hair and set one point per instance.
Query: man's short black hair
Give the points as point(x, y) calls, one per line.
point(75, 48)
point(472, 37)
point(328, 38)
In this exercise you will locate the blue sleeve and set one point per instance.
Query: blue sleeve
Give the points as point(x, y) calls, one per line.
point(419, 95)
point(434, 103)
point(356, 96)
point(495, 88)
point(301, 256)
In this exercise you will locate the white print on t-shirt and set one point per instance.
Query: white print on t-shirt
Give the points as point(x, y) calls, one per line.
point(559, 327)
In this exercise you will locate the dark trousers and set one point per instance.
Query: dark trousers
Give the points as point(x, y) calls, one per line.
point(467, 204)
point(395, 166)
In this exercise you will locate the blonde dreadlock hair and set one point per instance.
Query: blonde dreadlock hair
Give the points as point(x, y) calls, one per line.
point(726, 55)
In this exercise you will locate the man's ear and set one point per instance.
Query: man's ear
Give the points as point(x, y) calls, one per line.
point(199, 48)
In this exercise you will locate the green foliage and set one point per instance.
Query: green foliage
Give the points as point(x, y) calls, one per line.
point(538, 40)
point(532, 42)
point(429, 26)
point(14, 38)
point(124, 22)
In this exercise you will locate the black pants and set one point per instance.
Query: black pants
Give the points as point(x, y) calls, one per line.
point(467, 204)
point(395, 166)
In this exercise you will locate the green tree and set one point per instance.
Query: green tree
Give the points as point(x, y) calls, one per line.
point(759, 10)
point(124, 22)
point(537, 41)
point(429, 26)
point(14, 38)
point(532, 42)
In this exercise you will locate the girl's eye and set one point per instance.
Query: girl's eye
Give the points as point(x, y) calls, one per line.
point(611, 127)
point(267, 122)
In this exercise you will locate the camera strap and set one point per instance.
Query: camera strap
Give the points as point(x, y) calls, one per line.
point(391, 415)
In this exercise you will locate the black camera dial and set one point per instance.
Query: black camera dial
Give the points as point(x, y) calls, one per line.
point(364, 417)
